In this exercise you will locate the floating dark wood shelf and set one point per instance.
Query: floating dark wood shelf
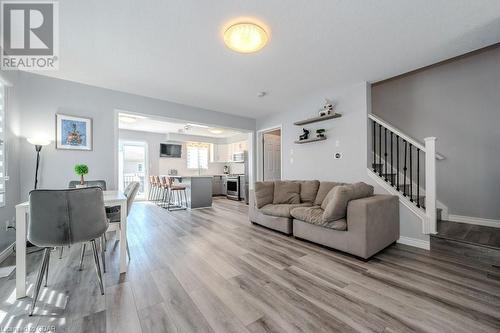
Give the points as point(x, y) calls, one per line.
point(311, 140)
point(316, 119)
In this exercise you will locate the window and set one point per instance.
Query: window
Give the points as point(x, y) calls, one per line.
point(2, 145)
point(197, 155)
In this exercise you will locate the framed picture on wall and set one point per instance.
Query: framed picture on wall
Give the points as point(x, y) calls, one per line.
point(73, 133)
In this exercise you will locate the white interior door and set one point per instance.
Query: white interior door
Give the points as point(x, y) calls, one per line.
point(272, 157)
point(133, 166)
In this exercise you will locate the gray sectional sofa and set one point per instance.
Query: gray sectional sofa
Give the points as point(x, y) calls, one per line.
point(346, 217)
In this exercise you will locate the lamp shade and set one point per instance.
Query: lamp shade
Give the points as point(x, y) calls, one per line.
point(39, 141)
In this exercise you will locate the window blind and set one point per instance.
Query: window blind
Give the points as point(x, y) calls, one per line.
point(197, 155)
point(2, 145)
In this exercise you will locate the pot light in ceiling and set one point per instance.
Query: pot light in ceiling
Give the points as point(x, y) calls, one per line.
point(216, 131)
point(245, 37)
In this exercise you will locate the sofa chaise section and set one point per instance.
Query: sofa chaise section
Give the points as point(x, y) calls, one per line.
point(372, 224)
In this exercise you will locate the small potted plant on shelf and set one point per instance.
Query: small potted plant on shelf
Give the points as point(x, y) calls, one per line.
point(320, 133)
point(81, 170)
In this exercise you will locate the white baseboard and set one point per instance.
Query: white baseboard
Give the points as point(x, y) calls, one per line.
point(420, 243)
point(7, 252)
point(474, 220)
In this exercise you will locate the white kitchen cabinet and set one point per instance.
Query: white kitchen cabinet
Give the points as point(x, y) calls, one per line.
point(221, 153)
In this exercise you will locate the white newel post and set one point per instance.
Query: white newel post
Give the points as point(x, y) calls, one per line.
point(430, 226)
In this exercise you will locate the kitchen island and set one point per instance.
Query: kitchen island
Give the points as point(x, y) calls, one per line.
point(198, 190)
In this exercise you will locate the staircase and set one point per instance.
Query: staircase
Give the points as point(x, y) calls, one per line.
point(407, 168)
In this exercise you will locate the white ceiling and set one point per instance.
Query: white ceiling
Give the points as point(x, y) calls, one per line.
point(174, 50)
point(163, 127)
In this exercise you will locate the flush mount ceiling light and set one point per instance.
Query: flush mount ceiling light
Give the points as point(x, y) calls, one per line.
point(245, 37)
point(215, 131)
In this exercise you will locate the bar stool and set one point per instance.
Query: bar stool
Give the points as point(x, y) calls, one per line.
point(179, 191)
point(151, 187)
point(158, 192)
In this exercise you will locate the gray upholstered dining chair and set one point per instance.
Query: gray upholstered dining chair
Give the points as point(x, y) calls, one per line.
point(62, 218)
point(89, 183)
point(114, 221)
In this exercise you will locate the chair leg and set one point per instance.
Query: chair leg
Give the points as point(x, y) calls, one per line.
point(185, 197)
point(84, 245)
point(97, 265)
point(38, 283)
point(47, 270)
point(128, 252)
point(169, 198)
point(61, 252)
point(103, 255)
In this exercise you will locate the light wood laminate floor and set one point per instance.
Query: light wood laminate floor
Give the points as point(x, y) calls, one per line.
point(210, 270)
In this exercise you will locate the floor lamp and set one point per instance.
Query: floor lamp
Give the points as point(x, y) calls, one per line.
point(38, 143)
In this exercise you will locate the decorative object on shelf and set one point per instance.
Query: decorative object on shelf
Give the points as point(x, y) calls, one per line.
point(81, 170)
point(38, 143)
point(73, 133)
point(327, 108)
point(320, 133)
point(304, 135)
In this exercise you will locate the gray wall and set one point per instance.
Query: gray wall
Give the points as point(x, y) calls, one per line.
point(34, 100)
point(42, 97)
point(347, 135)
point(315, 160)
point(459, 103)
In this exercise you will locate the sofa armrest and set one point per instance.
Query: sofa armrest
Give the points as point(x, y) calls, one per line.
point(373, 221)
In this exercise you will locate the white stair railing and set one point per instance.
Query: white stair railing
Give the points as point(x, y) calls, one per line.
point(401, 176)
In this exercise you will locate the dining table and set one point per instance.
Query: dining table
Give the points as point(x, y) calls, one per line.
point(111, 198)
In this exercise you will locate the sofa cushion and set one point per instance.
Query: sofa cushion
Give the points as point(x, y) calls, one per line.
point(281, 210)
point(335, 203)
point(264, 193)
point(340, 225)
point(312, 214)
point(324, 188)
point(308, 190)
point(286, 192)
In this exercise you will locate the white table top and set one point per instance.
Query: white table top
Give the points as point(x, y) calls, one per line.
point(109, 197)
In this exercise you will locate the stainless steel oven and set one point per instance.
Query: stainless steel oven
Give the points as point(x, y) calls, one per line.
point(233, 187)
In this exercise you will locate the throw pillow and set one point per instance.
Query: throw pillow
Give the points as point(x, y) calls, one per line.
point(308, 190)
point(264, 193)
point(286, 192)
point(335, 203)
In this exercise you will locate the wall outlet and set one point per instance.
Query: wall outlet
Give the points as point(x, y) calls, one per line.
point(337, 155)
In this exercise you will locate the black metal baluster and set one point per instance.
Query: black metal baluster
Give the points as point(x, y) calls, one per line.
point(411, 175)
point(418, 177)
point(385, 154)
point(380, 149)
point(392, 165)
point(404, 170)
point(397, 162)
point(374, 148)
